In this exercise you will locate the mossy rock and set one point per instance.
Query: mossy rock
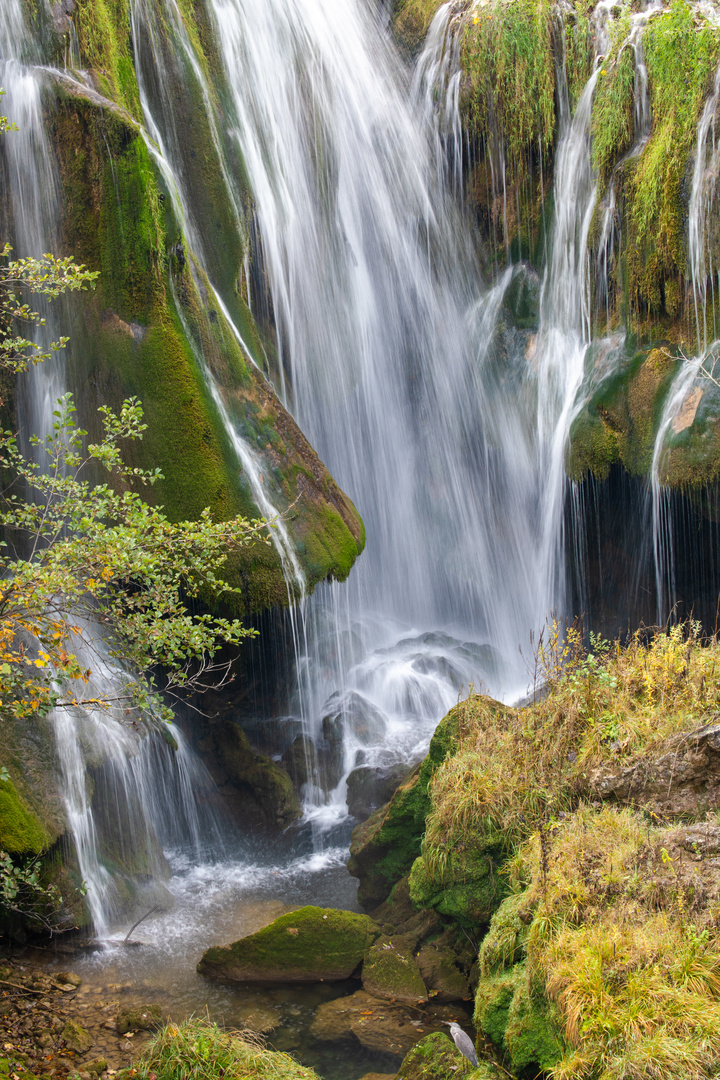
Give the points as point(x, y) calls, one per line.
point(436, 1058)
point(468, 890)
point(533, 1036)
point(263, 790)
point(75, 1037)
point(504, 944)
point(493, 998)
point(21, 831)
point(138, 1018)
point(384, 847)
point(391, 971)
point(309, 945)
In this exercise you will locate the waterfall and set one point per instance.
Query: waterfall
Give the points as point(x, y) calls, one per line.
point(142, 796)
point(702, 195)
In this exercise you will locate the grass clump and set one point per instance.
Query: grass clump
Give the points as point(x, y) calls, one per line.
point(200, 1050)
point(629, 961)
point(612, 112)
point(515, 769)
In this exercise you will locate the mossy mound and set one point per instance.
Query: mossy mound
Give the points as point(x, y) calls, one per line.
point(138, 1018)
point(384, 847)
point(391, 971)
point(466, 888)
point(198, 1048)
point(308, 945)
point(436, 1057)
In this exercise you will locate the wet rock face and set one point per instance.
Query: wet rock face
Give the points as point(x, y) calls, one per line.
point(347, 716)
point(255, 790)
point(308, 945)
point(684, 781)
point(369, 788)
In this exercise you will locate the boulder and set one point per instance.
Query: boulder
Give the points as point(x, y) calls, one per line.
point(379, 1025)
point(682, 781)
point(255, 789)
point(309, 945)
point(390, 971)
point(384, 847)
point(369, 788)
point(347, 712)
point(470, 888)
point(300, 760)
point(441, 974)
point(138, 1018)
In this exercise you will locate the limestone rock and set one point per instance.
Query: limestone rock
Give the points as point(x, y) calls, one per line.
point(138, 1018)
point(75, 1037)
point(683, 781)
point(384, 1026)
point(384, 847)
point(308, 945)
point(347, 713)
point(390, 971)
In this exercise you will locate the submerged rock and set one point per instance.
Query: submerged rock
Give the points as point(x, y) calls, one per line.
point(138, 1018)
point(309, 945)
point(75, 1037)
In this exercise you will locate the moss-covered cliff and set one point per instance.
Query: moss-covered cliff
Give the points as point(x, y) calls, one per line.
point(154, 327)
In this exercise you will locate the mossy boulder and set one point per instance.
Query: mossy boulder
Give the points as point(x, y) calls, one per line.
point(254, 788)
point(21, 830)
point(435, 1058)
point(75, 1037)
point(309, 945)
point(384, 847)
point(391, 971)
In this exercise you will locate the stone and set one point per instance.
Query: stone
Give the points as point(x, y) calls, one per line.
point(76, 1037)
point(682, 781)
point(379, 1025)
point(441, 974)
point(300, 760)
point(68, 978)
point(138, 1018)
point(95, 1068)
point(309, 945)
point(390, 971)
point(370, 787)
point(347, 713)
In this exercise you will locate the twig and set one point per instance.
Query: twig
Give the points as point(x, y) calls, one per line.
point(134, 925)
point(25, 989)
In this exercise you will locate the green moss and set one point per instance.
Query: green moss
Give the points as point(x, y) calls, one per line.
point(304, 946)
point(612, 111)
point(103, 34)
point(504, 944)
point(463, 885)
point(532, 1036)
point(21, 831)
point(412, 19)
point(436, 1058)
point(508, 57)
point(493, 999)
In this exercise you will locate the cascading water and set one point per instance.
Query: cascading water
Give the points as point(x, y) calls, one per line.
point(389, 335)
point(150, 796)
